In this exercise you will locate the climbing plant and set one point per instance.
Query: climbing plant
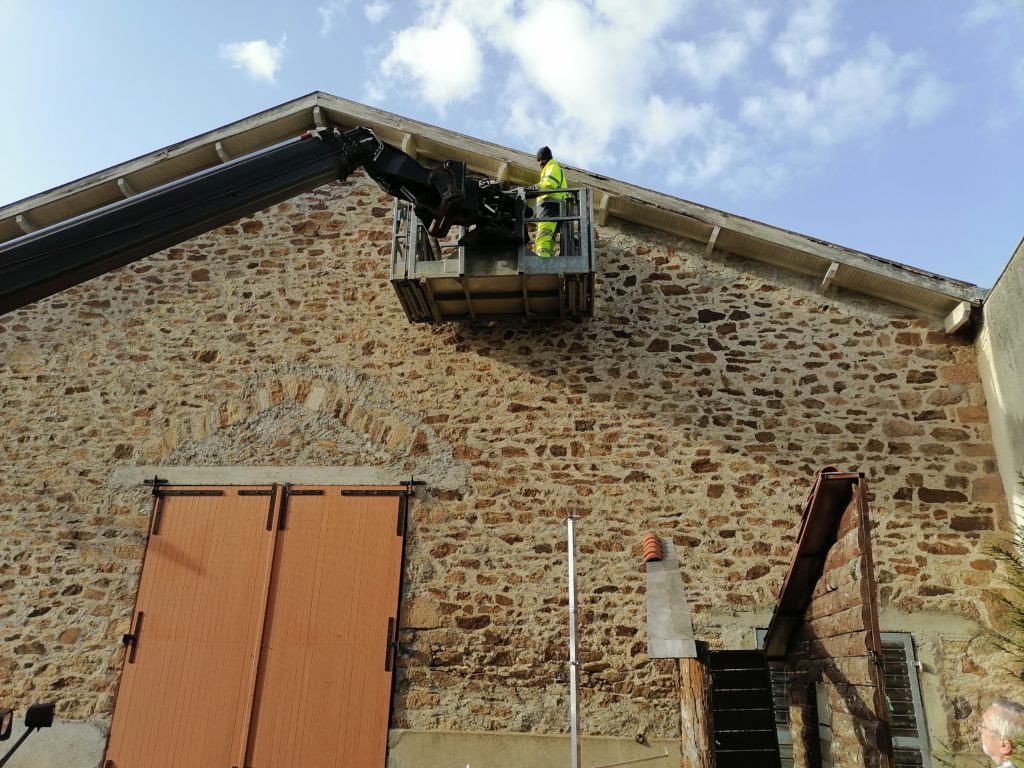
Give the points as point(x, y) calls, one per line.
point(1008, 634)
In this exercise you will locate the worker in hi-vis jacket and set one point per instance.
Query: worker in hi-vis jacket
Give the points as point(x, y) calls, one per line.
point(551, 177)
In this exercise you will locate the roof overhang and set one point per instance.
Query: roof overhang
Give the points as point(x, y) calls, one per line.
point(832, 265)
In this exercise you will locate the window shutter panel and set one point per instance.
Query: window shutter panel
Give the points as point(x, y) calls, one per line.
point(903, 694)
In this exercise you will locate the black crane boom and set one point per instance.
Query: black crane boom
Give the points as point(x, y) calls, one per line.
point(68, 253)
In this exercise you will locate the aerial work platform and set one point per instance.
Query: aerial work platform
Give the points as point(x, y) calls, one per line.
point(460, 246)
point(473, 275)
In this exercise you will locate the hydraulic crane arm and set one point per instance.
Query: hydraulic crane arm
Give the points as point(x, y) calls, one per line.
point(444, 196)
point(73, 251)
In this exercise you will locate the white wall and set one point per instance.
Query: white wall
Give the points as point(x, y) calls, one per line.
point(1001, 362)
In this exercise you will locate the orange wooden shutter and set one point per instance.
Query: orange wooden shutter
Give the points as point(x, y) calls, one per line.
point(187, 684)
point(324, 686)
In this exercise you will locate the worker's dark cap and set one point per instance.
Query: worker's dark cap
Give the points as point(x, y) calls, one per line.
point(543, 154)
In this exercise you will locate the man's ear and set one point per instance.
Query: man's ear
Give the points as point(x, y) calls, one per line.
point(1007, 747)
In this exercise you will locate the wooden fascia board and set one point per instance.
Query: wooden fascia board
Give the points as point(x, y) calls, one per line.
point(482, 156)
point(827, 252)
point(263, 120)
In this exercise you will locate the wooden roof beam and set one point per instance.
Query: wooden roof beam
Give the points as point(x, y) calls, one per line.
point(709, 249)
point(830, 276)
point(603, 209)
point(126, 188)
point(956, 319)
point(24, 224)
point(409, 145)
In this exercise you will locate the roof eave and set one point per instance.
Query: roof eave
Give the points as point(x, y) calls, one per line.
point(832, 265)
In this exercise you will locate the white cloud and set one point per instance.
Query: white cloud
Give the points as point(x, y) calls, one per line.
point(600, 69)
point(981, 12)
point(861, 95)
point(754, 23)
point(579, 69)
point(928, 99)
point(329, 11)
point(445, 61)
point(1006, 118)
point(716, 155)
point(376, 11)
point(714, 162)
point(806, 39)
point(722, 57)
point(374, 94)
point(592, 70)
point(663, 124)
point(639, 20)
point(646, 86)
point(258, 58)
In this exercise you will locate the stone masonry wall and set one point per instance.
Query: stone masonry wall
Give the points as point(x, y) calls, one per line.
point(697, 403)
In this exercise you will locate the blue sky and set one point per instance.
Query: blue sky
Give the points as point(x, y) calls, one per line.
point(889, 127)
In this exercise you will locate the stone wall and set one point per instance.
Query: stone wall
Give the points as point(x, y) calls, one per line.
point(697, 403)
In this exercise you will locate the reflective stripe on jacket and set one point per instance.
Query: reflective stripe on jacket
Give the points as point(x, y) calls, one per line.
point(552, 177)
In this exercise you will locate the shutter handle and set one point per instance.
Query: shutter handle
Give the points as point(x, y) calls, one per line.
point(133, 639)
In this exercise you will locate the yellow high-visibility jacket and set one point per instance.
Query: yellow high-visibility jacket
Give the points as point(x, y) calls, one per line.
point(552, 177)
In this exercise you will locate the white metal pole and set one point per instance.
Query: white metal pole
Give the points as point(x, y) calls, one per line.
point(574, 678)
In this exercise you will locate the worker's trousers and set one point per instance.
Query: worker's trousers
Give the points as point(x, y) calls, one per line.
point(544, 244)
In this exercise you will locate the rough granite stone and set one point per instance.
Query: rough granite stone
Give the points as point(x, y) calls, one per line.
point(697, 403)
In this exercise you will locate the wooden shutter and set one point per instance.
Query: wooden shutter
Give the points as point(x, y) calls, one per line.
point(324, 687)
point(189, 674)
point(780, 678)
point(903, 697)
point(264, 628)
point(743, 714)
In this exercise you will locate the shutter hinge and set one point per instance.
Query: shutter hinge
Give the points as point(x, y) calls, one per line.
point(132, 639)
point(390, 646)
point(403, 514)
point(155, 482)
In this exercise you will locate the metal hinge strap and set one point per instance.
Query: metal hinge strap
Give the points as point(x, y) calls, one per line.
point(375, 493)
point(390, 646)
point(175, 492)
point(270, 507)
point(284, 506)
point(403, 514)
point(157, 504)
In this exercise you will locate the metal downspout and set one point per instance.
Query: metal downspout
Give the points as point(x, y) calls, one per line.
point(574, 680)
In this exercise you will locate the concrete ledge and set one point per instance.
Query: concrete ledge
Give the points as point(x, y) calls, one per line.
point(233, 475)
point(458, 749)
point(68, 745)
